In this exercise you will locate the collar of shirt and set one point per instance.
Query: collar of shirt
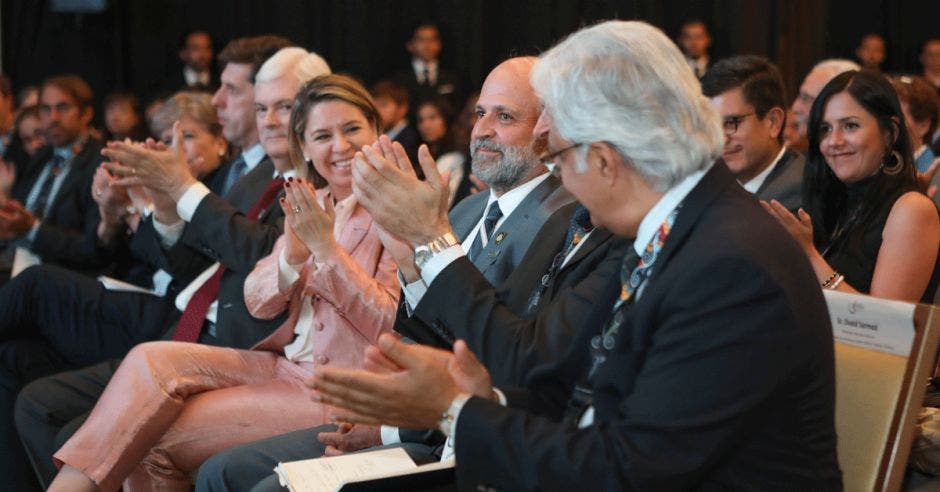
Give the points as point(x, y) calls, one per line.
point(507, 203)
point(419, 65)
point(395, 130)
point(193, 77)
point(755, 183)
point(669, 201)
point(512, 198)
point(253, 156)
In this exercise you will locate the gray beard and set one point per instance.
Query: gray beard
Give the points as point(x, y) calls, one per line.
point(505, 172)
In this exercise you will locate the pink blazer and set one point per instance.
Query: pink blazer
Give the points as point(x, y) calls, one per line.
point(354, 295)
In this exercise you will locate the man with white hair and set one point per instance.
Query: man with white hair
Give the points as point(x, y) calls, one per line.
point(714, 297)
point(193, 227)
point(815, 80)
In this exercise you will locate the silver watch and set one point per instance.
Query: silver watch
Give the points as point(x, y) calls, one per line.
point(424, 252)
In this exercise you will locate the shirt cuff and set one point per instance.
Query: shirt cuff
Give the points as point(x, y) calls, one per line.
point(437, 263)
point(33, 232)
point(500, 397)
point(413, 292)
point(287, 273)
point(169, 234)
point(389, 435)
point(187, 204)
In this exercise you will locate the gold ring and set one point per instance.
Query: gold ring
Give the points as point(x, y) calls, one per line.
point(297, 210)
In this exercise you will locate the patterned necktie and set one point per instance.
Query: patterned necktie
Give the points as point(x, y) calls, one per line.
point(633, 274)
point(493, 214)
point(579, 227)
point(194, 316)
point(42, 198)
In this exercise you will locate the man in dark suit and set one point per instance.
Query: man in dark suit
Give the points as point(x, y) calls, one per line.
point(425, 79)
point(217, 230)
point(748, 93)
point(713, 297)
point(51, 207)
point(196, 72)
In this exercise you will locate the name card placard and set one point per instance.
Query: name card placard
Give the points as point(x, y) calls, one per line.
point(872, 323)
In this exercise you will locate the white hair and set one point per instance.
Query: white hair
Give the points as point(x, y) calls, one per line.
point(293, 60)
point(834, 66)
point(627, 84)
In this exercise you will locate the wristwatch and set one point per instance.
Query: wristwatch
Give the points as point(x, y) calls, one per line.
point(424, 252)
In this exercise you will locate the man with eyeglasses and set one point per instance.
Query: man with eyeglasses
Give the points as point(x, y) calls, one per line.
point(747, 91)
point(815, 80)
point(51, 204)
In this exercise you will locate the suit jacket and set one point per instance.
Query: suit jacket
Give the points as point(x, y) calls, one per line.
point(446, 87)
point(219, 232)
point(543, 208)
point(354, 295)
point(733, 313)
point(785, 182)
point(63, 237)
point(539, 334)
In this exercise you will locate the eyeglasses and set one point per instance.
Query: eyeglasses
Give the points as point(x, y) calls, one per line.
point(548, 158)
point(731, 123)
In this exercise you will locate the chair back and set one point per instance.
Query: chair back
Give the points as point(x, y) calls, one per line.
point(879, 392)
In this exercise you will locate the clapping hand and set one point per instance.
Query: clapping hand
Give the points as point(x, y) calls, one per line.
point(408, 386)
point(308, 226)
point(385, 184)
point(800, 226)
point(149, 164)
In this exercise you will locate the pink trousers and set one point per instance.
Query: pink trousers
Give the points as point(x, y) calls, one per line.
point(172, 405)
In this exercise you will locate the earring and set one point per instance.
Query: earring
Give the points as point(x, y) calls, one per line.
point(892, 163)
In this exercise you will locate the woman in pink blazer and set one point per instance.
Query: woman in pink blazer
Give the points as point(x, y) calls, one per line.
point(171, 405)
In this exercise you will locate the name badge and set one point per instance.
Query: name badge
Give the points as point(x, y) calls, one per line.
point(872, 323)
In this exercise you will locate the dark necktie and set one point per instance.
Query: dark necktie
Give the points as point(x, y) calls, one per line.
point(493, 214)
point(194, 316)
point(427, 76)
point(239, 166)
point(579, 227)
point(42, 199)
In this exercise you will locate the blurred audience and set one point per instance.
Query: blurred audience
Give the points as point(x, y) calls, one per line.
point(871, 52)
point(434, 119)
point(695, 40)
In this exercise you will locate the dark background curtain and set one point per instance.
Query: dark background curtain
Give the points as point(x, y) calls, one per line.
point(134, 44)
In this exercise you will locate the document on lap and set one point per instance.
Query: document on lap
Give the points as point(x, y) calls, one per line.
point(359, 471)
point(872, 323)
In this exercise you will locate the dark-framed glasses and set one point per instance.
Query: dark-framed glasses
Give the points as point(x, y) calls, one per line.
point(548, 158)
point(730, 123)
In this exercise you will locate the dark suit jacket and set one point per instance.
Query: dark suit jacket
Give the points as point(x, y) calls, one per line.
point(546, 208)
point(722, 376)
point(539, 335)
point(219, 232)
point(410, 140)
point(447, 87)
point(63, 237)
point(785, 182)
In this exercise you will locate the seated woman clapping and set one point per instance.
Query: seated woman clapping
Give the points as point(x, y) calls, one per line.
point(172, 405)
point(867, 227)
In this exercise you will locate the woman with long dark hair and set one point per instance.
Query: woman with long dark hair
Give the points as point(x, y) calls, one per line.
point(867, 227)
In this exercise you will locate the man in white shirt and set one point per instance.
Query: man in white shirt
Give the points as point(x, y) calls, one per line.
point(747, 91)
point(695, 40)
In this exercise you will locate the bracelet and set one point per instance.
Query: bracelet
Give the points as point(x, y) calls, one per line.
point(837, 282)
point(449, 417)
point(833, 281)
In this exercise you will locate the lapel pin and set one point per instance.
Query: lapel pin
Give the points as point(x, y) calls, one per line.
point(499, 237)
